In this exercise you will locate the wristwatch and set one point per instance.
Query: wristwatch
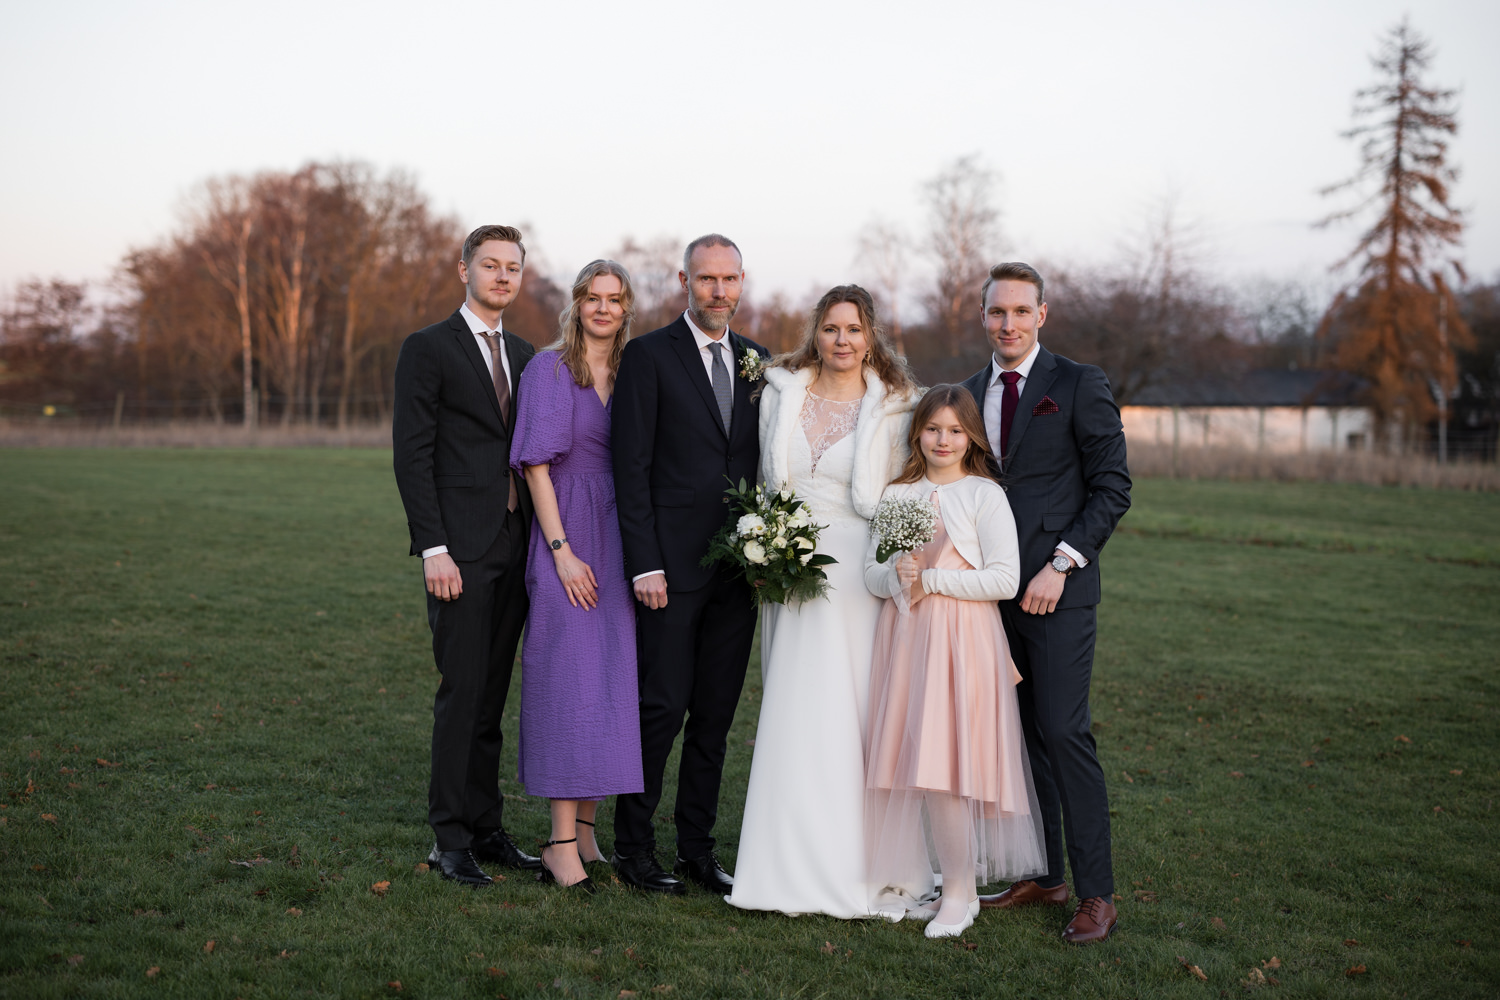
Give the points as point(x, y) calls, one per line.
point(557, 543)
point(1062, 564)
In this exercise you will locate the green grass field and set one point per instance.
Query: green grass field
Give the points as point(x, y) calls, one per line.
point(215, 685)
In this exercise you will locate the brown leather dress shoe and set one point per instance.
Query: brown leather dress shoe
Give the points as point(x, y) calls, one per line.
point(1026, 893)
point(1094, 920)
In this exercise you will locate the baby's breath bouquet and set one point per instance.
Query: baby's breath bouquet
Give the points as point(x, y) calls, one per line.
point(902, 525)
point(772, 537)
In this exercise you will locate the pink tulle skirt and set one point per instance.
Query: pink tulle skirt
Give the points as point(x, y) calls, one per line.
point(945, 732)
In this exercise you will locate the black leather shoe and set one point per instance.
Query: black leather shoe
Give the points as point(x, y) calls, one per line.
point(497, 848)
point(642, 871)
point(458, 866)
point(707, 872)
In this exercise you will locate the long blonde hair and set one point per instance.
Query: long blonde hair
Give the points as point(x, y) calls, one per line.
point(893, 370)
point(571, 344)
point(978, 459)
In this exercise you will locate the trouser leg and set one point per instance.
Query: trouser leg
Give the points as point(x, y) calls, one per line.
point(1055, 655)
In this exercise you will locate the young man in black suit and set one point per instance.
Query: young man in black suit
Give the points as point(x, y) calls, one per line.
point(684, 428)
point(469, 519)
point(1056, 428)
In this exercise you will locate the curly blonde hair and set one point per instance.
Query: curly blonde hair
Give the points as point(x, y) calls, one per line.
point(571, 344)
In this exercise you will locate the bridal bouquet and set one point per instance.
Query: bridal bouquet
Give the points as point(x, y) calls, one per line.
point(772, 537)
point(902, 525)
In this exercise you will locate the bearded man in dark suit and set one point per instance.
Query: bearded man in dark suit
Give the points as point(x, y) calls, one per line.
point(684, 427)
point(1056, 430)
point(469, 519)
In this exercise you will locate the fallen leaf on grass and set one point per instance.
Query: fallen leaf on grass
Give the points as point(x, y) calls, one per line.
point(1437, 809)
point(1274, 963)
point(1145, 896)
point(662, 988)
point(423, 866)
point(1127, 777)
point(381, 888)
point(1403, 739)
point(1192, 968)
point(1218, 922)
point(1256, 977)
point(1358, 970)
point(106, 763)
point(1463, 944)
point(494, 971)
point(627, 993)
point(395, 984)
point(286, 954)
point(252, 862)
point(75, 959)
point(260, 892)
point(597, 951)
point(960, 944)
point(292, 911)
point(1350, 942)
point(208, 947)
point(1455, 772)
point(1236, 774)
point(1309, 763)
point(827, 948)
point(49, 817)
point(151, 972)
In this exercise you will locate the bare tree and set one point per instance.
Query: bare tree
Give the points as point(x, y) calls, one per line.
point(226, 219)
point(884, 250)
point(963, 232)
point(653, 268)
point(1398, 323)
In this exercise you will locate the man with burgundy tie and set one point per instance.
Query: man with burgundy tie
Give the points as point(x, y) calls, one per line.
point(469, 519)
point(1057, 434)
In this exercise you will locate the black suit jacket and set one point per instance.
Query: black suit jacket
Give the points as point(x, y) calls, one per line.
point(673, 457)
point(452, 451)
point(1065, 474)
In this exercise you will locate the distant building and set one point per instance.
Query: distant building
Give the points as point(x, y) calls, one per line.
point(1266, 410)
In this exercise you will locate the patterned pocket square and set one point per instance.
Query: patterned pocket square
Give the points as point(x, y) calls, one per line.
point(1044, 407)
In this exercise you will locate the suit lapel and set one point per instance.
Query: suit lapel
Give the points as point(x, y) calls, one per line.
point(1043, 374)
point(739, 347)
point(692, 361)
point(470, 349)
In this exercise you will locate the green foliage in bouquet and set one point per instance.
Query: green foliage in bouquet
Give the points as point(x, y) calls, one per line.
point(771, 536)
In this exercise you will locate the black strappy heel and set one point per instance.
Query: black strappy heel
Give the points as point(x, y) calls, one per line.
point(601, 860)
point(545, 875)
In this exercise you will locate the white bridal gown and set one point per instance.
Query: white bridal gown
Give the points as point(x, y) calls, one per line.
point(802, 843)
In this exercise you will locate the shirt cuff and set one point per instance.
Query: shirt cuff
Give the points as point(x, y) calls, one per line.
point(654, 572)
point(436, 550)
point(1072, 554)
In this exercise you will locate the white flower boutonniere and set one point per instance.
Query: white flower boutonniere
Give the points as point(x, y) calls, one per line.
point(752, 366)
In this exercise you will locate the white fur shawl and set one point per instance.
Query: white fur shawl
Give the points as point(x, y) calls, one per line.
point(879, 439)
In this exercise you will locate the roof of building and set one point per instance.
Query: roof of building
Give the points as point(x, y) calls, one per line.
point(1263, 387)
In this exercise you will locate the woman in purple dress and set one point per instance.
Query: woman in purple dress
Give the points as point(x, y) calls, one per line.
point(580, 725)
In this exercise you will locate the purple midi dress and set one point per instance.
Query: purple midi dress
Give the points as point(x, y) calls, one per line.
point(580, 721)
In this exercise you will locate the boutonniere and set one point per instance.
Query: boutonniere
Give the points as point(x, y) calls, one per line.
point(752, 366)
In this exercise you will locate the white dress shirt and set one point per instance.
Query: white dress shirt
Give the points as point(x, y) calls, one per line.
point(478, 328)
point(706, 352)
point(993, 397)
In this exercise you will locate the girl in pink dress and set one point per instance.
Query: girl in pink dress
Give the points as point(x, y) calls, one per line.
point(946, 768)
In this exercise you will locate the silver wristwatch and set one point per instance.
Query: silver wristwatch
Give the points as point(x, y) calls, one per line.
point(1062, 564)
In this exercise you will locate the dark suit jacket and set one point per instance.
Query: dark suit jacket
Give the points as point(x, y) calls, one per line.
point(673, 457)
point(452, 451)
point(1065, 474)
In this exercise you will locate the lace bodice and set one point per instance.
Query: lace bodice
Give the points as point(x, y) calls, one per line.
point(826, 422)
point(822, 458)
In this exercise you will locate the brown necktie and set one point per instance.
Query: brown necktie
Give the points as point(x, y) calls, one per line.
point(496, 343)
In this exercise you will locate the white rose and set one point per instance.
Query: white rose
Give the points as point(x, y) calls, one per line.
point(798, 520)
point(779, 541)
point(785, 493)
point(806, 558)
point(750, 524)
point(803, 544)
point(756, 553)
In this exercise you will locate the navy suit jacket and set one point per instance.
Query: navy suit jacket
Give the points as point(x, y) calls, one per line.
point(451, 449)
point(1065, 474)
point(673, 456)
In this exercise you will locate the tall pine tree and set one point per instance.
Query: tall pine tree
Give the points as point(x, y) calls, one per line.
point(1397, 324)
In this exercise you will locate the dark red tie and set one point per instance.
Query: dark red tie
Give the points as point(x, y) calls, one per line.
point(1008, 402)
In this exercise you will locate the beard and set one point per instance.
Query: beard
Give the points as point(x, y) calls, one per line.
point(709, 322)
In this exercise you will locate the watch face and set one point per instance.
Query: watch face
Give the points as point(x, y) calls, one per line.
point(1060, 563)
point(556, 543)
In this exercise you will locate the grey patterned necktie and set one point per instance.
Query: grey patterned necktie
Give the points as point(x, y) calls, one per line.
point(496, 343)
point(722, 391)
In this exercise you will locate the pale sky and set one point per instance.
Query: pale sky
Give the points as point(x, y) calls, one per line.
point(786, 126)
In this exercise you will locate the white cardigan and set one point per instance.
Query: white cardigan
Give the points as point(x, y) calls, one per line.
point(977, 515)
point(879, 438)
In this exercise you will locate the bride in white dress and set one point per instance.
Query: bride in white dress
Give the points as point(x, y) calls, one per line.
point(833, 420)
